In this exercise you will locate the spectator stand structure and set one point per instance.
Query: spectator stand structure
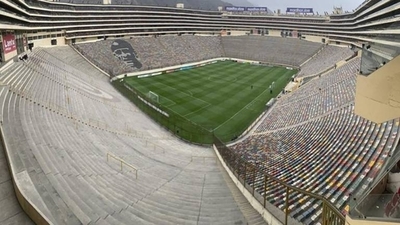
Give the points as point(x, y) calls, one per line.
point(312, 129)
point(153, 52)
point(156, 52)
point(60, 120)
point(325, 60)
point(312, 140)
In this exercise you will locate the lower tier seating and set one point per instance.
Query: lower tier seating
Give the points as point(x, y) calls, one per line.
point(59, 124)
point(322, 147)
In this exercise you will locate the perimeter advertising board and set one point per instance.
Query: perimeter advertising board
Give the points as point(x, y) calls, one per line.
point(9, 44)
point(299, 10)
point(245, 9)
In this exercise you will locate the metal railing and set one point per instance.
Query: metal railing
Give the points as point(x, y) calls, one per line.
point(122, 162)
point(250, 174)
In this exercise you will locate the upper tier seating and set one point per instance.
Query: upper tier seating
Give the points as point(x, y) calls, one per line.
point(323, 148)
point(60, 120)
point(154, 52)
point(164, 51)
point(324, 60)
point(276, 50)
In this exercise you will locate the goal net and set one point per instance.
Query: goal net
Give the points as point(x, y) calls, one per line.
point(153, 96)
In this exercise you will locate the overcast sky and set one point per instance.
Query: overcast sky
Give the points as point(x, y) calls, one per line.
point(318, 5)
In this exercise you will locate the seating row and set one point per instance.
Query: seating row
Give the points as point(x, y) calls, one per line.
point(323, 148)
point(61, 157)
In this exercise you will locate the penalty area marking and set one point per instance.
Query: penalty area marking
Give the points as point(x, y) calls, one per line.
point(169, 105)
point(197, 110)
point(245, 107)
point(186, 93)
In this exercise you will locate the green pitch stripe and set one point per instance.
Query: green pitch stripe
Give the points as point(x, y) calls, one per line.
point(225, 97)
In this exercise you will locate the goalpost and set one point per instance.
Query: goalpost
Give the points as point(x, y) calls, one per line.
point(153, 96)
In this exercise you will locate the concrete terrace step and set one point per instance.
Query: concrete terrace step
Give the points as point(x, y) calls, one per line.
point(62, 162)
point(251, 215)
point(10, 210)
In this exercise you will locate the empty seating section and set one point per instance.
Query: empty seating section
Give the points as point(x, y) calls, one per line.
point(324, 60)
point(154, 52)
point(11, 211)
point(277, 50)
point(164, 51)
point(60, 122)
point(314, 99)
point(101, 55)
point(323, 148)
point(335, 156)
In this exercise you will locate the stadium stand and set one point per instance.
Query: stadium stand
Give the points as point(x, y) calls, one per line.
point(102, 56)
point(154, 52)
point(322, 147)
point(163, 51)
point(324, 60)
point(11, 211)
point(316, 98)
point(60, 117)
point(275, 50)
point(192, 4)
point(55, 115)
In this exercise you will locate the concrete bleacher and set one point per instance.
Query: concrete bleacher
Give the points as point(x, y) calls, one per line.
point(60, 119)
point(325, 59)
point(274, 50)
point(322, 147)
point(170, 50)
point(10, 210)
point(153, 52)
point(314, 99)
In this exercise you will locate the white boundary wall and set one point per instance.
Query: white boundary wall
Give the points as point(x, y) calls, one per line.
point(170, 69)
point(268, 217)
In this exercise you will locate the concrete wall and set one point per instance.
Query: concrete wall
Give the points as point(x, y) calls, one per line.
point(46, 42)
point(268, 217)
point(312, 38)
point(81, 40)
point(26, 205)
point(239, 32)
point(378, 94)
point(274, 33)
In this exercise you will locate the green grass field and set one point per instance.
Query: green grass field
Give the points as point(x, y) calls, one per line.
point(218, 97)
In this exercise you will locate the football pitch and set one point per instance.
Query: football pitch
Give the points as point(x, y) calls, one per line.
point(224, 97)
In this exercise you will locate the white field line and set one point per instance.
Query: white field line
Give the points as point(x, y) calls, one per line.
point(185, 93)
point(197, 110)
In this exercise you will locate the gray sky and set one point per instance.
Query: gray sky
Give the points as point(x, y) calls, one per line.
point(318, 5)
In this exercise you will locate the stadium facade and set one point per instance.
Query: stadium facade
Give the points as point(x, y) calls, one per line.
point(374, 25)
point(51, 23)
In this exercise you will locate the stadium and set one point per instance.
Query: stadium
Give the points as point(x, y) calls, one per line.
point(157, 112)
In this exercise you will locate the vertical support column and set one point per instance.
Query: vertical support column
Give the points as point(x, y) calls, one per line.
point(287, 205)
point(254, 179)
point(244, 176)
point(265, 189)
point(324, 220)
